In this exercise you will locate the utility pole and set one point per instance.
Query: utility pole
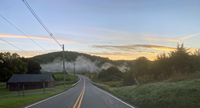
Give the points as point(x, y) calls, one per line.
point(74, 71)
point(64, 63)
point(89, 70)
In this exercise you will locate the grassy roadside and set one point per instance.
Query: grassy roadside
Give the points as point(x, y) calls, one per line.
point(5, 91)
point(19, 101)
point(68, 77)
point(184, 94)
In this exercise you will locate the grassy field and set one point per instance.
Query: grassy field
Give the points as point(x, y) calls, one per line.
point(70, 79)
point(5, 91)
point(184, 94)
point(19, 101)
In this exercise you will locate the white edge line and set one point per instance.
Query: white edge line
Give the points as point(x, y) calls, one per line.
point(115, 97)
point(47, 99)
point(76, 82)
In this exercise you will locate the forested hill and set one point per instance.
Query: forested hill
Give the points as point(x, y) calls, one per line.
point(73, 55)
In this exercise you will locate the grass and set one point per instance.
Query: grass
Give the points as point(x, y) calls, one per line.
point(68, 78)
point(109, 83)
point(5, 91)
point(179, 91)
point(176, 77)
point(184, 94)
point(19, 101)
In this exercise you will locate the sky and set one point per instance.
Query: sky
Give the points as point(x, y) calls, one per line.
point(117, 29)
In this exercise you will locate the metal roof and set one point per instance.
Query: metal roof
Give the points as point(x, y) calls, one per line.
point(16, 78)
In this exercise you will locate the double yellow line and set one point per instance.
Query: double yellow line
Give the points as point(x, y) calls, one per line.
point(80, 97)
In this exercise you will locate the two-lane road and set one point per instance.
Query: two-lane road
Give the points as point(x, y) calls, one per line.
point(83, 95)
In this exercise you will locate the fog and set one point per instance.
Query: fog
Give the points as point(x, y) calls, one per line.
point(82, 65)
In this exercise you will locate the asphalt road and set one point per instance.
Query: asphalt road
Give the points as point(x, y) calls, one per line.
point(83, 95)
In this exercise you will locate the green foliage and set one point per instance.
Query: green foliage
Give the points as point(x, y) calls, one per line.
point(180, 59)
point(128, 78)
point(177, 62)
point(110, 74)
point(183, 94)
point(11, 64)
point(138, 71)
point(72, 55)
point(141, 66)
point(68, 77)
point(33, 67)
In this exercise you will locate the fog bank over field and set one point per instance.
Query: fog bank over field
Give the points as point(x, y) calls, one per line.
point(82, 64)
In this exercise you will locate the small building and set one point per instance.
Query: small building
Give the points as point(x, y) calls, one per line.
point(31, 81)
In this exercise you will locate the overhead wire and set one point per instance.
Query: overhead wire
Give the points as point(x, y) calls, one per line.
point(26, 35)
point(21, 49)
point(39, 20)
point(69, 57)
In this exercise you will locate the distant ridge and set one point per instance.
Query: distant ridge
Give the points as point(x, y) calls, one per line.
point(73, 55)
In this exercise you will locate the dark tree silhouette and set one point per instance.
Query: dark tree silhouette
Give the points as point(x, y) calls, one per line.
point(33, 67)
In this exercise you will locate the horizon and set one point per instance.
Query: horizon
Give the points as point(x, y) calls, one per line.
point(154, 59)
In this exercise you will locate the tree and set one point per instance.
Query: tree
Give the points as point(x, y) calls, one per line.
point(180, 59)
point(128, 78)
point(195, 62)
point(141, 66)
point(11, 64)
point(33, 67)
point(110, 74)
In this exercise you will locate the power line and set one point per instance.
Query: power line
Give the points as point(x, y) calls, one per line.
point(39, 20)
point(26, 35)
point(69, 57)
point(22, 50)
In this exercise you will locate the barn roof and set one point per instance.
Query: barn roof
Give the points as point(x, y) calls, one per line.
point(16, 78)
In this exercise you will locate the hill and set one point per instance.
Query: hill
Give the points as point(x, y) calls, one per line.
point(84, 62)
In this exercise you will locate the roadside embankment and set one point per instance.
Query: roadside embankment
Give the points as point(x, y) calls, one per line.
point(184, 94)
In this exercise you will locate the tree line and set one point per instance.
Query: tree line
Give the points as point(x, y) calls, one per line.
point(14, 64)
point(178, 62)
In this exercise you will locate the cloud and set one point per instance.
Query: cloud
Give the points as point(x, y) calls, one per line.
point(190, 36)
point(115, 48)
point(122, 55)
point(41, 38)
point(146, 52)
point(114, 55)
point(132, 47)
point(151, 46)
point(150, 38)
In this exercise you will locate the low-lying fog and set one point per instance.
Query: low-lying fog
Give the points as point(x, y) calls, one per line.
point(82, 64)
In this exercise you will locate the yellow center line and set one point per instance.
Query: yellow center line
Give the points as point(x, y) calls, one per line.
point(80, 97)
